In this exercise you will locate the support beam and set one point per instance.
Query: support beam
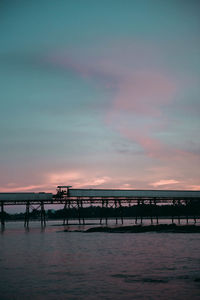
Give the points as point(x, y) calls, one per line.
point(172, 214)
point(121, 212)
point(136, 211)
point(42, 214)
point(116, 220)
point(156, 211)
point(27, 214)
point(141, 213)
point(79, 213)
point(106, 212)
point(151, 214)
point(179, 219)
point(102, 202)
point(2, 214)
point(81, 204)
point(66, 212)
point(195, 219)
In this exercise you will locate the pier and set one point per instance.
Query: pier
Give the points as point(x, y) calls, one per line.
point(118, 200)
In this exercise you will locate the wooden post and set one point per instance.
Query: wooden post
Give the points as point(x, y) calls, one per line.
point(121, 212)
point(26, 219)
point(157, 219)
point(79, 214)
point(106, 212)
point(186, 204)
point(157, 222)
point(2, 214)
point(173, 203)
point(102, 212)
point(141, 212)
point(195, 220)
point(179, 219)
point(42, 214)
point(83, 220)
point(65, 213)
point(116, 212)
point(150, 203)
point(136, 217)
point(68, 216)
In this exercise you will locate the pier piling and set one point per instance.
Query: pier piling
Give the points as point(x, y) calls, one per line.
point(26, 220)
point(2, 214)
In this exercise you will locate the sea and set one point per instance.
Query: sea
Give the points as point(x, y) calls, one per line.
point(50, 263)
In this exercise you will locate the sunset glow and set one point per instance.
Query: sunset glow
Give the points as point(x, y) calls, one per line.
point(92, 98)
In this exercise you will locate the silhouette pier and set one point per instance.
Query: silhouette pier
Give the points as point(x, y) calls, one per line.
point(143, 203)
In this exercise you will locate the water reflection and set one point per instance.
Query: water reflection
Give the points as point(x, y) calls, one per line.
point(2, 228)
point(27, 229)
point(74, 225)
point(68, 265)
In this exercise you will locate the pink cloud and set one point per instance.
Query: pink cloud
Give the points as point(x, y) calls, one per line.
point(141, 88)
point(111, 65)
point(144, 93)
point(130, 178)
point(195, 187)
point(163, 182)
point(137, 113)
point(137, 109)
point(28, 188)
point(77, 179)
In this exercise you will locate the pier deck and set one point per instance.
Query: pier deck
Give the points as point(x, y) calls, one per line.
point(105, 198)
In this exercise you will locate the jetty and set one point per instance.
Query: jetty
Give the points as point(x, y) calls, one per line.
point(105, 198)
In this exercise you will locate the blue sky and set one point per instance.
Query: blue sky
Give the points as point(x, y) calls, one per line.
point(99, 94)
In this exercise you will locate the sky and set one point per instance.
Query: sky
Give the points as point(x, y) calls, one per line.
point(99, 94)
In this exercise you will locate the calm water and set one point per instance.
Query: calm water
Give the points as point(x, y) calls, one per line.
point(50, 264)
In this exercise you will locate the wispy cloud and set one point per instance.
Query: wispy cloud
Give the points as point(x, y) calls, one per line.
point(164, 182)
point(28, 188)
point(75, 179)
point(140, 89)
point(195, 187)
point(137, 109)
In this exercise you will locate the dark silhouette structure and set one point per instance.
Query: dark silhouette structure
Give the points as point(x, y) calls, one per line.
point(106, 203)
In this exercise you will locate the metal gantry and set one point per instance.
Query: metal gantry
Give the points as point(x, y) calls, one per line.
point(116, 199)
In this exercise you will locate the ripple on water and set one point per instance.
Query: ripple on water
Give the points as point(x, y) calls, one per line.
point(134, 278)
